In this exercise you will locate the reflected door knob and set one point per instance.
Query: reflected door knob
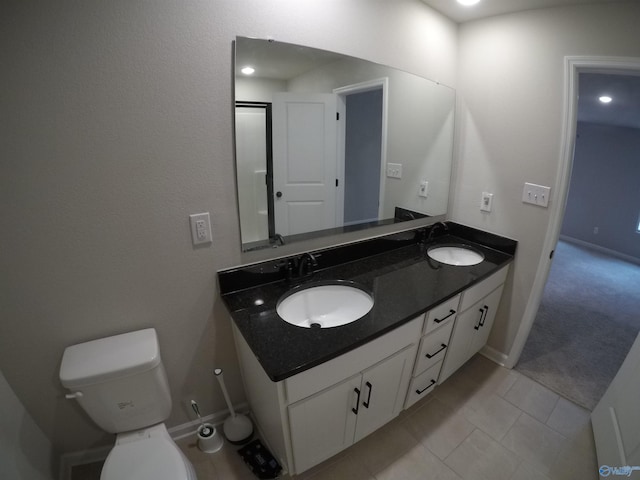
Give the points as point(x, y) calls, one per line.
point(278, 194)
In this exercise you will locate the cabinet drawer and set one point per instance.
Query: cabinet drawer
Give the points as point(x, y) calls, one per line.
point(443, 313)
point(484, 288)
point(433, 348)
point(422, 385)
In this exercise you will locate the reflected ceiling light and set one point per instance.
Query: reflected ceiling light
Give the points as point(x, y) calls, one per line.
point(468, 3)
point(605, 99)
point(248, 70)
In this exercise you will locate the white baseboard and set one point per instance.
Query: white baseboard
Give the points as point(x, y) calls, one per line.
point(71, 459)
point(598, 248)
point(494, 355)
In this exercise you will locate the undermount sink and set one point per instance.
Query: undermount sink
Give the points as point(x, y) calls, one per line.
point(325, 305)
point(455, 255)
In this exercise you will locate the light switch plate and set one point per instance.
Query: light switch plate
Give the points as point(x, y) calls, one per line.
point(394, 170)
point(536, 194)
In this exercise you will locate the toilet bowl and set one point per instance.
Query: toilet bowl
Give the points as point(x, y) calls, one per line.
point(121, 383)
point(149, 454)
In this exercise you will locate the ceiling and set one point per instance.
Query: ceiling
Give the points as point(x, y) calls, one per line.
point(489, 8)
point(624, 109)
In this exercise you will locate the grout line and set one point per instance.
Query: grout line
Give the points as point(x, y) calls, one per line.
point(552, 410)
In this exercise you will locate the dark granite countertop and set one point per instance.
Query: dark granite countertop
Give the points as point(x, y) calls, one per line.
point(404, 282)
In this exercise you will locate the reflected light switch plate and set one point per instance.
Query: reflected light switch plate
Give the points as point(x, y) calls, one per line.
point(423, 191)
point(486, 202)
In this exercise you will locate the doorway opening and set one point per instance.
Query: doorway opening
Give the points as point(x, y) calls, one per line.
point(362, 146)
point(587, 319)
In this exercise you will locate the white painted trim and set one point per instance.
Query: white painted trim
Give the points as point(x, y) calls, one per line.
point(71, 459)
point(573, 66)
point(598, 248)
point(341, 107)
point(494, 355)
point(358, 222)
point(82, 457)
point(367, 86)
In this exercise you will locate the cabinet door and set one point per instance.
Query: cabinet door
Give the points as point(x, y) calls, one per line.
point(323, 424)
point(460, 343)
point(489, 305)
point(384, 388)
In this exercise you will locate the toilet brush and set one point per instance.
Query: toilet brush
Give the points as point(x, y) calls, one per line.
point(205, 430)
point(237, 428)
point(209, 440)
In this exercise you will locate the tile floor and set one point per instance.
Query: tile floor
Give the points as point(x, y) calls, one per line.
point(484, 423)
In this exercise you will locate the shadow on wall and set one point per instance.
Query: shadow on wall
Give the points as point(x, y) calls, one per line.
point(25, 452)
point(215, 349)
point(38, 459)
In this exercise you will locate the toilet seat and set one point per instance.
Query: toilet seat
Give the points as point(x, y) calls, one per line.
point(147, 456)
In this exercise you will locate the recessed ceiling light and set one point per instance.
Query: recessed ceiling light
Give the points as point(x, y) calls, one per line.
point(468, 3)
point(248, 70)
point(605, 99)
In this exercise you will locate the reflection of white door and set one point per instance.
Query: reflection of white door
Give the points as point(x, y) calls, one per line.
point(304, 162)
point(616, 423)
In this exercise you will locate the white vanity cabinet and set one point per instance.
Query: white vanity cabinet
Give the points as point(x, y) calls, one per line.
point(473, 324)
point(311, 416)
point(330, 421)
point(307, 418)
point(438, 325)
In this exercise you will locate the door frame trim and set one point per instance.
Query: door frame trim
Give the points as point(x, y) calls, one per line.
point(342, 93)
point(573, 67)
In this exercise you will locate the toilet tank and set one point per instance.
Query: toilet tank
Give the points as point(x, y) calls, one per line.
point(119, 381)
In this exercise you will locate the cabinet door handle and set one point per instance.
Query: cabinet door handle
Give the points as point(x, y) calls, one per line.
point(355, 410)
point(368, 402)
point(420, 392)
point(484, 317)
point(438, 320)
point(442, 347)
point(477, 327)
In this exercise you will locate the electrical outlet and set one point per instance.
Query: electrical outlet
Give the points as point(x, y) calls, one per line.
point(394, 170)
point(486, 202)
point(536, 194)
point(423, 191)
point(200, 228)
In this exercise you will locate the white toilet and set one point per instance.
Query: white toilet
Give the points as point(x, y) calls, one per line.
point(121, 383)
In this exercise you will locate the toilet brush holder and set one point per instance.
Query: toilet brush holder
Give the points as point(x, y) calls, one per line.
point(209, 439)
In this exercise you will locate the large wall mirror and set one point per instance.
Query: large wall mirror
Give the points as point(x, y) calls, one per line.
point(327, 143)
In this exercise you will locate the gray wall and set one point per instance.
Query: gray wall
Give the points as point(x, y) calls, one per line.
point(510, 123)
point(605, 190)
point(116, 124)
point(25, 452)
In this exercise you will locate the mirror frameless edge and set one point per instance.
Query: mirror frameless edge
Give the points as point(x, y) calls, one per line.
point(301, 174)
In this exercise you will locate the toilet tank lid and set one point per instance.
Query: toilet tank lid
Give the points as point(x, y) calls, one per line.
point(106, 358)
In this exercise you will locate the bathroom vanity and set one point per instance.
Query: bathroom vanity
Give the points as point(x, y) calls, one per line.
point(315, 391)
